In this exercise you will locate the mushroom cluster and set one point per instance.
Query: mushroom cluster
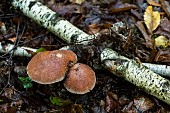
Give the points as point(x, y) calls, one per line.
point(52, 66)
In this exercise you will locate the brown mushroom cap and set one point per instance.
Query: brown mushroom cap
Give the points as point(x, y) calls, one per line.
point(50, 66)
point(81, 79)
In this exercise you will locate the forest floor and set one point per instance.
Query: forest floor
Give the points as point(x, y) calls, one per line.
point(111, 94)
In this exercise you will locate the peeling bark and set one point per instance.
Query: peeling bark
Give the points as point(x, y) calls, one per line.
point(50, 20)
point(137, 74)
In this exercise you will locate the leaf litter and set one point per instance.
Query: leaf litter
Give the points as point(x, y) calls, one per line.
point(111, 93)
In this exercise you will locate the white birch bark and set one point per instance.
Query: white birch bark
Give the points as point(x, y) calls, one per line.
point(50, 20)
point(18, 51)
point(163, 70)
point(137, 74)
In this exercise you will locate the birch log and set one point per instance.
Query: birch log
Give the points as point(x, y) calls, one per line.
point(137, 74)
point(50, 20)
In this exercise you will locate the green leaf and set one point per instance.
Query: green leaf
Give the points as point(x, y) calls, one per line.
point(59, 102)
point(1, 100)
point(40, 50)
point(26, 82)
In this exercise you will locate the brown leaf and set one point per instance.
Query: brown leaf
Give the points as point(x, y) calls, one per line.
point(123, 101)
point(8, 92)
point(66, 10)
point(143, 103)
point(149, 42)
point(164, 28)
point(162, 32)
point(165, 24)
point(166, 6)
point(153, 3)
point(119, 6)
point(151, 19)
point(163, 56)
point(93, 29)
point(136, 13)
point(110, 101)
point(77, 1)
point(4, 107)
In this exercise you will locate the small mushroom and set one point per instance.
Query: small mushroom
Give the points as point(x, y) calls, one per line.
point(50, 66)
point(81, 79)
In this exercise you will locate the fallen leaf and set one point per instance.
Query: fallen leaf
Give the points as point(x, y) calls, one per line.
point(26, 82)
point(136, 14)
point(59, 102)
point(153, 3)
point(163, 56)
point(73, 108)
point(164, 28)
point(143, 103)
point(148, 39)
point(77, 1)
point(124, 101)
point(162, 41)
point(166, 6)
point(111, 102)
point(13, 39)
point(3, 29)
point(119, 7)
point(40, 50)
point(8, 92)
point(165, 24)
point(4, 107)
point(93, 29)
point(151, 19)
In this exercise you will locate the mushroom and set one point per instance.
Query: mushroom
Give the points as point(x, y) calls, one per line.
point(50, 66)
point(81, 79)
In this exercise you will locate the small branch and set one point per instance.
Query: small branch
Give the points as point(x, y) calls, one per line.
point(137, 74)
point(50, 20)
point(18, 51)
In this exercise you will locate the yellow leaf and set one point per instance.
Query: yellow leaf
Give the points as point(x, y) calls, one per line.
point(77, 1)
point(151, 19)
point(162, 41)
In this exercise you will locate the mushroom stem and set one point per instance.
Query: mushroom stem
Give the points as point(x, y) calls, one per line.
point(137, 74)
